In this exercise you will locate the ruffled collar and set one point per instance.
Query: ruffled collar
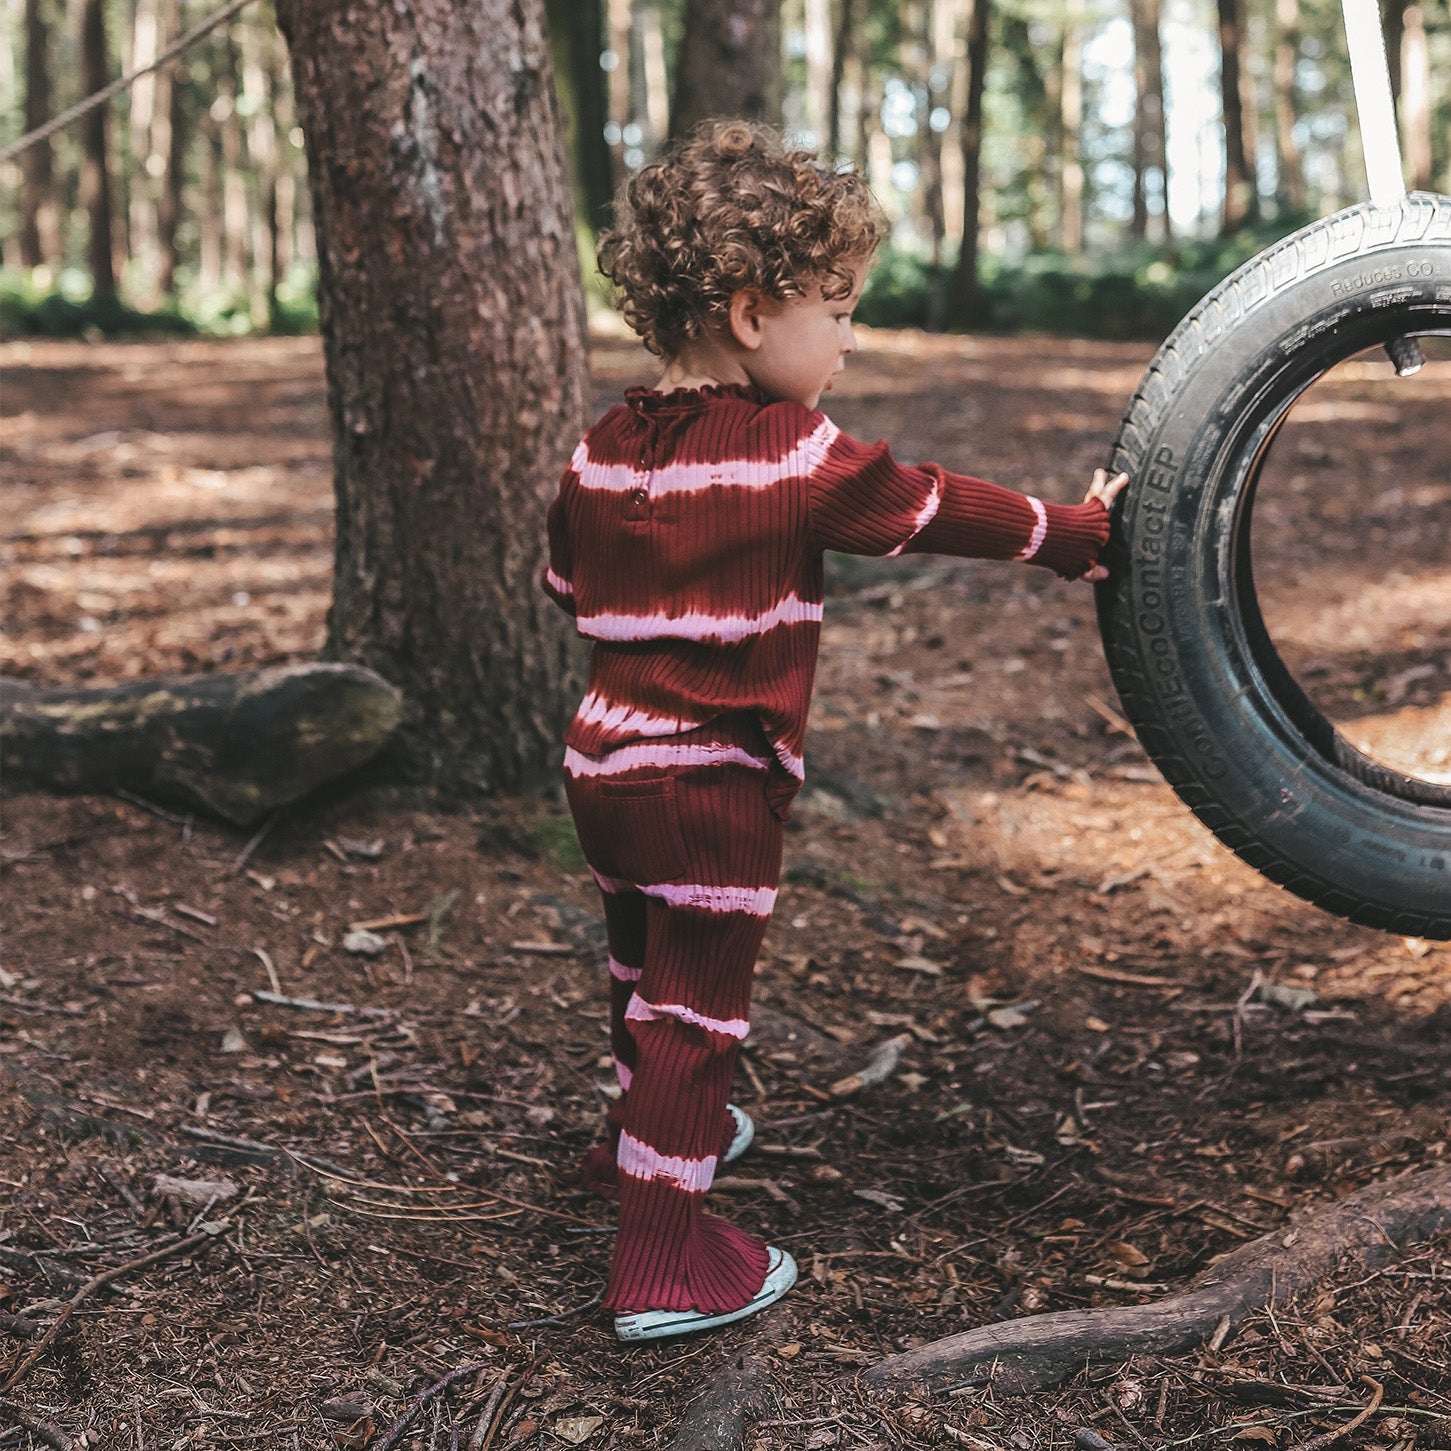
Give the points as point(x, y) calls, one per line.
point(651, 400)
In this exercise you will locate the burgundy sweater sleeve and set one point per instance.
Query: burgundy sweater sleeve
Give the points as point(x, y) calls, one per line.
point(985, 521)
point(558, 577)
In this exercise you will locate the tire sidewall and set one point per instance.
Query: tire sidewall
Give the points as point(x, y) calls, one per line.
point(1224, 741)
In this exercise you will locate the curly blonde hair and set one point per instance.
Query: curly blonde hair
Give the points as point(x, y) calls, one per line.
point(729, 208)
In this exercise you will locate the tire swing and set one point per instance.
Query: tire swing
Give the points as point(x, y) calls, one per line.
point(1214, 705)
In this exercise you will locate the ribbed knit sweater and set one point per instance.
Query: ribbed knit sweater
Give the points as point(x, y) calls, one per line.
point(687, 541)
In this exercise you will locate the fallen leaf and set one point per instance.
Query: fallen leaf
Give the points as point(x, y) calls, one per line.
point(875, 1196)
point(1262, 1434)
point(233, 1041)
point(574, 1430)
point(1095, 1025)
point(789, 1352)
point(1125, 1253)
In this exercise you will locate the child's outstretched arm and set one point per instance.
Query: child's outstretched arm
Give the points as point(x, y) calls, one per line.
point(864, 502)
point(985, 521)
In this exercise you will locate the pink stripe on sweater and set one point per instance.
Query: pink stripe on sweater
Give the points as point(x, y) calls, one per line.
point(798, 461)
point(657, 754)
point(1040, 529)
point(640, 1161)
point(594, 709)
point(699, 625)
point(619, 971)
point(626, 1075)
point(639, 1011)
point(924, 518)
point(557, 582)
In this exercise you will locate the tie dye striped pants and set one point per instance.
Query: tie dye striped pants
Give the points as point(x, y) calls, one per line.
point(687, 854)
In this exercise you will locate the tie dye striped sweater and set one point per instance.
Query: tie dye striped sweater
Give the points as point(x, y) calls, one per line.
point(687, 541)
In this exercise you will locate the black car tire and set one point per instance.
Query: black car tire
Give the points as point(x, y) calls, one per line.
point(1200, 679)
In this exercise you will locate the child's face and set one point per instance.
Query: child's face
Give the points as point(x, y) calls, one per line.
point(796, 345)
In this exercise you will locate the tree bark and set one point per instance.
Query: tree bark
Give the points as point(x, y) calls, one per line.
point(1070, 135)
point(1287, 104)
point(1416, 98)
point(39, 225)
point(141, 199)
point(819, 54)
point(577, 28)
point(1149, 150)
point(237, 745)
point(729, 63)
point(453, 329)
point(1368, 1227)
point(168, 145)
point(257, 39)
point(841, 48)
point(964, 292)
point(1239, 187)
point(96, 168)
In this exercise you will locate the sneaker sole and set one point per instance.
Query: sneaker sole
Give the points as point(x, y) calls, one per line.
point(660, 1324)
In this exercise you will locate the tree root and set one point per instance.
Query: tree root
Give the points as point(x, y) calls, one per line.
point(1368, 1228)
point(735, 1396)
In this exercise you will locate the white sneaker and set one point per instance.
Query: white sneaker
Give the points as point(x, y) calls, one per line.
point(658, 1324)
point(744, 1135)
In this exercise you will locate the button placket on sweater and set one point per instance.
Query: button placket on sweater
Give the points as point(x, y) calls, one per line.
point(637, 500)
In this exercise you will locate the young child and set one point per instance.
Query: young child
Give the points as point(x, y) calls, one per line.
point(687, 541)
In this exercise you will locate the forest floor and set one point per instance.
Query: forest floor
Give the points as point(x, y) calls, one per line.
point(393, 1194)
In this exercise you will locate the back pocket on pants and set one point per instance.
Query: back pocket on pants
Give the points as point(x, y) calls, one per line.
point(630, 829)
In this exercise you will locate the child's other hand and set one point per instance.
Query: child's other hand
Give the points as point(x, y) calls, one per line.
point(1105, 490)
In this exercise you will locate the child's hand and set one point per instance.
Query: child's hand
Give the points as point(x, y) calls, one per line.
point(1105, 490)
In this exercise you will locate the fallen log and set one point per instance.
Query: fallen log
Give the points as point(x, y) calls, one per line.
point(1366, 1228)
point(238, 745)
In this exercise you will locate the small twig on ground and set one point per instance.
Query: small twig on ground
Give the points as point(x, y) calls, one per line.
point(266, 960)
point(1251, 989)
point(881, 1065)
point(48, 1431)
point(1328, 1438)
point(401, 1425)
point(313, 1006)
point(560, 1318)
point(245, 855)
point(486, 1416)
point(90, 1287)
point(508, 1401)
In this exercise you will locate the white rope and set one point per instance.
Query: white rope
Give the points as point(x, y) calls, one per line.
point(1371, 77)
point(99, 98)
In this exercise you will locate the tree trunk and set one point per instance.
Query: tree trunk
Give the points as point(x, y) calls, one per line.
point(1239, 189)
point(1416, 98)
point(729, 63)
point(1287, 104)
point(819, 56)
point(258, 35)
point(453, 328)
point(1393, 27)
point(96, 168)
point(1149, 149)
point(236, 745)
point(649, 47)
point(577, 29)
point(141, 202)
point(1070, 170)
point(237, 257)
point(210, 248)
point(168, 151)
point(39, 225)
point(964, 292)
point(841, 47)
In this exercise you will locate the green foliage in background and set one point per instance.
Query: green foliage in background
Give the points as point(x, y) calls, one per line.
point(1138, 292)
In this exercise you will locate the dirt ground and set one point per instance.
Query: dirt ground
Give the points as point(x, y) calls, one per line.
point(1104, 1087)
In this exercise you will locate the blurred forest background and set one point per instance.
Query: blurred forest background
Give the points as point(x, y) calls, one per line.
point(1107, 160)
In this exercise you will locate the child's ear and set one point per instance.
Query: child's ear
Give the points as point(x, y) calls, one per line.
point(744, 318)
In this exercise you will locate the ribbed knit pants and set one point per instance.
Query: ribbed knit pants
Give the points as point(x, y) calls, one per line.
point(687, 854)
